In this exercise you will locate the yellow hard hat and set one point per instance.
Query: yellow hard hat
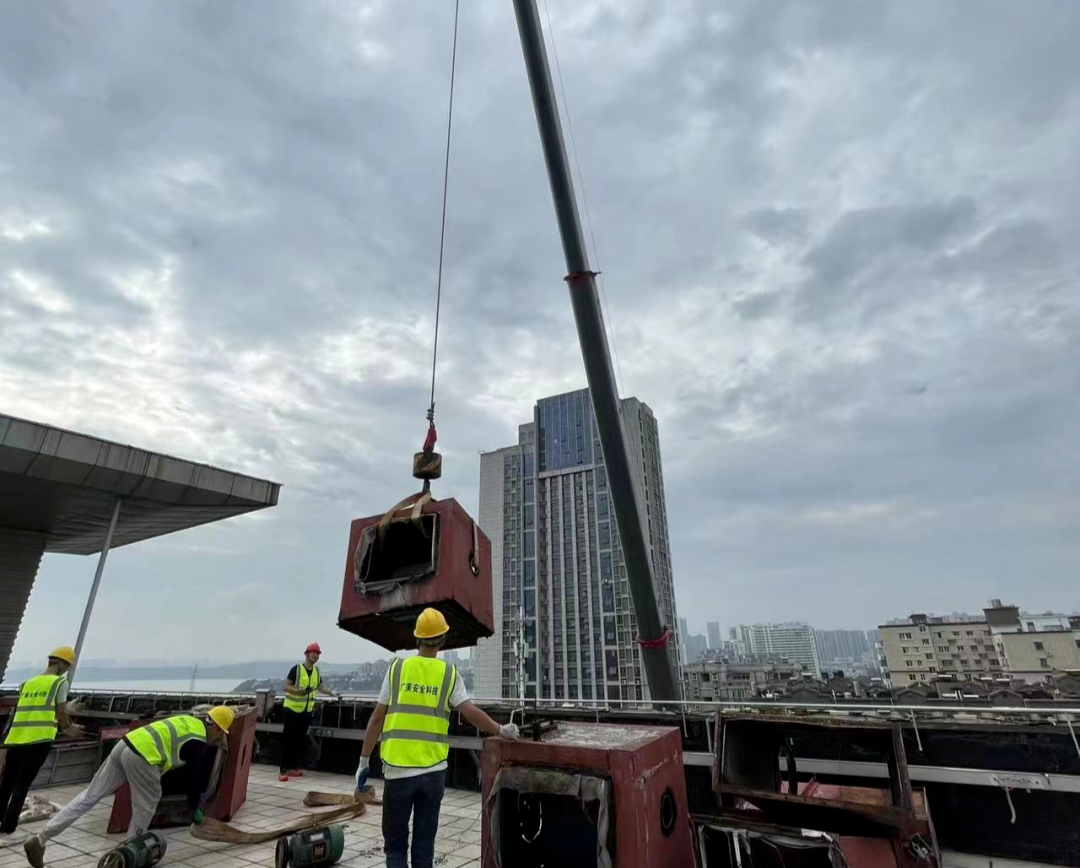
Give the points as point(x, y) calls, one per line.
point(65, 653)
point(223, 716)
point(430, 624)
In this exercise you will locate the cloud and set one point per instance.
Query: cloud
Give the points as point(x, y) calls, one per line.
point(835, 242)
point(851, 513)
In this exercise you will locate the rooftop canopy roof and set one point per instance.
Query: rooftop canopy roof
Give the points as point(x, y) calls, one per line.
point(58, 491)
point(64, 485)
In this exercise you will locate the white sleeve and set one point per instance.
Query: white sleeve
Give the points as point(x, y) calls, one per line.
point(459, 694)
point(384, 691)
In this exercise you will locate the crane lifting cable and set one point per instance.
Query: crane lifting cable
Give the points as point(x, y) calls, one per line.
point(427, 463)
point(421, 553)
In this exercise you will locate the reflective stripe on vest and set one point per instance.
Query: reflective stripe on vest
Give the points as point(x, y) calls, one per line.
point(160, 742)
point(304, 680)
point(416, 731)
point(35, 715)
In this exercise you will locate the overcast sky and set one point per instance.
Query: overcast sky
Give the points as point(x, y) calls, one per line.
point(839, 243)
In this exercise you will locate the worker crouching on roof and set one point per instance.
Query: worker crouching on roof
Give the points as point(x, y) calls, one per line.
point(140, 760)
point(301, 685)
point(32, 729)
point(413, 718)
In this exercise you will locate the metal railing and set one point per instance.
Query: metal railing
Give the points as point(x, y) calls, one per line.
point(1053, 716)
point(608, 706)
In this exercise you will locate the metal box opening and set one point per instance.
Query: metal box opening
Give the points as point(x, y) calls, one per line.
point(546, 829)
point(543, 817)
point(720, 845)
point(408, 550)
point(622, 788)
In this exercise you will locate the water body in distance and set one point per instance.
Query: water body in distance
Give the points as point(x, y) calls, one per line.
point(205, 685)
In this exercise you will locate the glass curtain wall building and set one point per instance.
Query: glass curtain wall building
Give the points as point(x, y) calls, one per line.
point(565, 621)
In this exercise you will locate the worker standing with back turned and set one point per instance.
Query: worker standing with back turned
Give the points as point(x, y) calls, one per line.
point(40, 714)
point(413, 718)
point(301, 685)
point(140, 760)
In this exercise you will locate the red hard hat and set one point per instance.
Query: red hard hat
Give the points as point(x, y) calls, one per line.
point(314, 646)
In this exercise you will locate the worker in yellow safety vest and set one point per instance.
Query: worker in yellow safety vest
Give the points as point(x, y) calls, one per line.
point(412, 718)
point(32, 728)
point(140, 760)
point(301, 685)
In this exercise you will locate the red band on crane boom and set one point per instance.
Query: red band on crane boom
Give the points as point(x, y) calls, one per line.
point(651, 644)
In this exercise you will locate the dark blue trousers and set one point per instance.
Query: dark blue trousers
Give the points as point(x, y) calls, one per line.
point(420, 796)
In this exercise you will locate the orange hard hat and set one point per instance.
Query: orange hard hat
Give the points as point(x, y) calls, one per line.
point(313, 648)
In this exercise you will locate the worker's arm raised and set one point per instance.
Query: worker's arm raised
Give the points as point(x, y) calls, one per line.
point(479, 718)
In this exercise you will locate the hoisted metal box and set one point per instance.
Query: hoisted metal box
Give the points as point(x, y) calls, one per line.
point(586, 796)
point(435, 555)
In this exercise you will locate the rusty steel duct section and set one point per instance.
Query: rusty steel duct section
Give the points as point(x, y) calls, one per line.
point(586, 795)
point(431, 554)
point(889, 826)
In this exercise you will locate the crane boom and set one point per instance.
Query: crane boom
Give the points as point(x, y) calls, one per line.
point(660, 670)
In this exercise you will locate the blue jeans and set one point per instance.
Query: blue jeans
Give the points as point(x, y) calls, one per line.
point(420, 796)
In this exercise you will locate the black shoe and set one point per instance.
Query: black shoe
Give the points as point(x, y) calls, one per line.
point(35, 851)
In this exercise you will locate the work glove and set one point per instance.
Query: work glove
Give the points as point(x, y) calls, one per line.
point(362, 772)
point(197, 817)
point(510, 731)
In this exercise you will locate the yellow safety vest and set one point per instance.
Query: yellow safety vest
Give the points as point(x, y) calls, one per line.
point(416, 732)
point(304, 680)
point(35, 715)
point(159, 743)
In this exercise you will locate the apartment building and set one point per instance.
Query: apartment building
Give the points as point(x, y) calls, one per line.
point(793, 641)
point(925, 647)
point(1005, 644)
point(1035, 646)
point(711, 682)
point(565, 623)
